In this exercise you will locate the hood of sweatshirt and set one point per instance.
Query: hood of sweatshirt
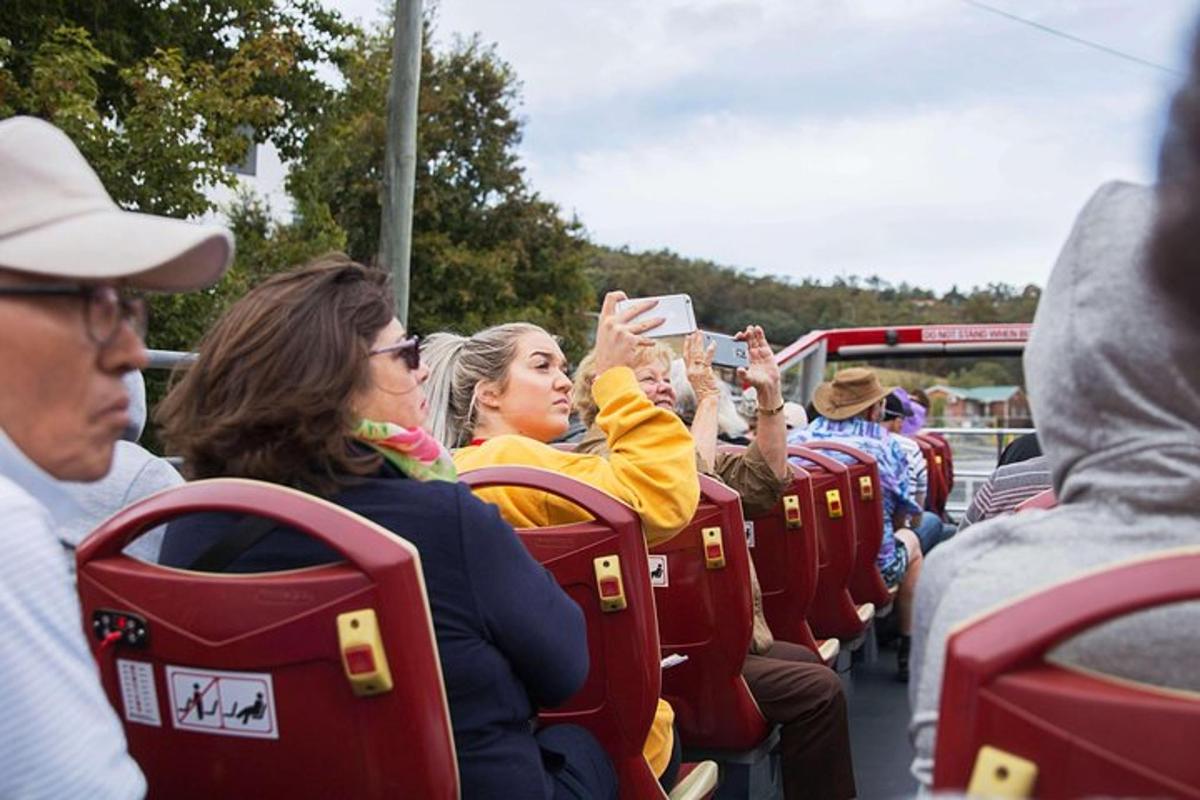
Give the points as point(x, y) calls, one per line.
point(1114, 379)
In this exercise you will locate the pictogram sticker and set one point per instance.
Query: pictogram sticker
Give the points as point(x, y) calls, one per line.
point(658, 571)
point(138, 692)
point(222, 703)
point(749, 533)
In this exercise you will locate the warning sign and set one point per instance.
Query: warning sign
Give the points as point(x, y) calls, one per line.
point(223, 703)
point(975, 333)
point(138, 693)
point(658, 571)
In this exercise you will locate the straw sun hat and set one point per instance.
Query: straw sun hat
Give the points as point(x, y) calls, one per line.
point(851, 392)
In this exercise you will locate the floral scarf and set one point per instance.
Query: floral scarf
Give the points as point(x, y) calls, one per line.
point(411, 450)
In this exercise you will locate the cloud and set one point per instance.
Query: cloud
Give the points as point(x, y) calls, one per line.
point(934, 197)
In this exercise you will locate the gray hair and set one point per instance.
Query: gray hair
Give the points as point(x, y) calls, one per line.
point(457, 364)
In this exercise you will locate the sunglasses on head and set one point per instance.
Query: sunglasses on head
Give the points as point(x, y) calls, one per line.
point(408, 349)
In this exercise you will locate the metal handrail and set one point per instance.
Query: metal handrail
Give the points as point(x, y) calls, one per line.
point(169, 359)
point(980, 431)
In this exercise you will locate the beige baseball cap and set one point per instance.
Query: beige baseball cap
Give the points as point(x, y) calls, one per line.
point(57, 220)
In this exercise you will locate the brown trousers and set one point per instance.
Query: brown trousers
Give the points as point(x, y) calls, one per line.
point(804, 697)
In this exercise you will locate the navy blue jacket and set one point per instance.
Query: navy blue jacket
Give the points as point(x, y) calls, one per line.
point(509, 638)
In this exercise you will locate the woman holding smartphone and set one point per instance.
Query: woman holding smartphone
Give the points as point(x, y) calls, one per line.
point(502, 395)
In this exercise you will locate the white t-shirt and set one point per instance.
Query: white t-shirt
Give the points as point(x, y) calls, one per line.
point(61, 737)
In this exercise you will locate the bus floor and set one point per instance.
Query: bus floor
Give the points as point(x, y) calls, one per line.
point(878, 711)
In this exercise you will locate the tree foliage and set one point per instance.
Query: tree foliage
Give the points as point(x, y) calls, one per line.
point(486, 248)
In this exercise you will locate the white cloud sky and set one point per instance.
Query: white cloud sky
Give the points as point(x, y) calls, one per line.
point(921, 140)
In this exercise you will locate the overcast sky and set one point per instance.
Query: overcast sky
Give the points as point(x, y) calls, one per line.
point(920, 140)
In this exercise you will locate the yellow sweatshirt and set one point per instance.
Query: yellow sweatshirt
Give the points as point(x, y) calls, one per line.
point(651, 468)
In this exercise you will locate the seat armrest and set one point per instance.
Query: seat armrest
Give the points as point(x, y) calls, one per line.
point(828, 650)
point(697, 784)
point(866, 612)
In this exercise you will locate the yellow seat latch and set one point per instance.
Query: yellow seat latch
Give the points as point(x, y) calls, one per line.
point(791, 512)
point(938, 459)
point(865, 488)
point(714, 548)
point(363, 657)
point(833, 499)
point(1001, 774)
point(609, 585)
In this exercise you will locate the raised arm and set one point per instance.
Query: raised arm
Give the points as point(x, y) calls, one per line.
point(697, 361)
point(763, 375)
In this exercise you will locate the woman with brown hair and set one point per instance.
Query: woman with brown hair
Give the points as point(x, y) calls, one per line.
point(310, 381)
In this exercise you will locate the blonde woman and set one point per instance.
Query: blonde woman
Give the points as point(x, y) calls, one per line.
point(502, 395)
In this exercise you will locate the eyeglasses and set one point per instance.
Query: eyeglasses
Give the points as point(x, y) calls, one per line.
point(104, 307)
point(409, 349)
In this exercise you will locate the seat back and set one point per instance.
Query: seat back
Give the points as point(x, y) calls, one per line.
point(1072, 733)
point(943, 458)
point(783, 546)
point(239, 686)
point(866, 493)
point(618, 700)
point(833, 613)
point(936, 492)
point(705, 613)
point(1045, 500)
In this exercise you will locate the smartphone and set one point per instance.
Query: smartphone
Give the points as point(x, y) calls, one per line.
point(679, 319)
point(729, 351)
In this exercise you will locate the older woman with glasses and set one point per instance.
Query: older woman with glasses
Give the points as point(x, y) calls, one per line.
point(310, 381)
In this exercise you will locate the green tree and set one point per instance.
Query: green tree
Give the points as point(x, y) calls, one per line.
point(486, 248)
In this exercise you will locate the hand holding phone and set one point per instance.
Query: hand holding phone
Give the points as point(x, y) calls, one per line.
point(618, 335)
point(728, 351)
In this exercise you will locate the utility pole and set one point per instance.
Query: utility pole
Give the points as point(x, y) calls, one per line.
point(400, 167)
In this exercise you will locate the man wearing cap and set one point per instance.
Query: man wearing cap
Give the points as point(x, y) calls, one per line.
point(850, 408)
point(69, 330)
point(929, 527)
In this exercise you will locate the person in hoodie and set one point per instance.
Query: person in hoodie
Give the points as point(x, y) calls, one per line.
point(1115, 385)
point(135, 473)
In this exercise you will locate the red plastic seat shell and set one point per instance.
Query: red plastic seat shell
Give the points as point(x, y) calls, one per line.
point(706, 614)
point(618, 700)
point(1088, 735)
point(331, 743)
point(833, 613)
point(866, 582)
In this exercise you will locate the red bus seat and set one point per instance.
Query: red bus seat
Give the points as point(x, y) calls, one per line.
point(1044, 500)
point(936, 492)
point(705, 614)
point(1012, 723)
point(784, 550)
point(291, 638)
point(833, 613)
point(943, 457)
point(618, 701)
point(866, 493)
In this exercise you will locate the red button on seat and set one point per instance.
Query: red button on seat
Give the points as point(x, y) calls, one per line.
point(360, 660)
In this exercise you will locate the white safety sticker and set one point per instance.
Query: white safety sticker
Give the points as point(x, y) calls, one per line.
point(749, 533)
point(222, 703)
point(658, 571)
point(138, 692)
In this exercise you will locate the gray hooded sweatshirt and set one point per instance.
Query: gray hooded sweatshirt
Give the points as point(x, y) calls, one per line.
point(1115, 387)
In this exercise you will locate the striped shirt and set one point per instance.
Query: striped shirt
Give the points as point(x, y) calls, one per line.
point(918, 470)
point(61, 737)
point(1008, 487)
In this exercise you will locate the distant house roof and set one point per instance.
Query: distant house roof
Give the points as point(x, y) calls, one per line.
point(992, 394)
point(980, 394)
